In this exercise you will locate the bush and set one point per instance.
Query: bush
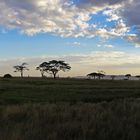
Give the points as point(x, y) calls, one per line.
point(7, 76)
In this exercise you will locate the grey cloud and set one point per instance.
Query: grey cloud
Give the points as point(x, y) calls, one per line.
point(98, 3)
point(131, 12)
point(133, 38)
point(26, 5)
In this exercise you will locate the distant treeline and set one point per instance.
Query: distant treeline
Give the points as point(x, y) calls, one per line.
point(54, 66)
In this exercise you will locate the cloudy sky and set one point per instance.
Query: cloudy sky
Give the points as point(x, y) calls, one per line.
point(91, 35)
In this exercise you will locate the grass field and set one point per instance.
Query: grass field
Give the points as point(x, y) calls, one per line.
point(69, 109)
point(28, 90)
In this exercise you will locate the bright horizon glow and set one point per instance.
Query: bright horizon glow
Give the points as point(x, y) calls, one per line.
point(88, 34)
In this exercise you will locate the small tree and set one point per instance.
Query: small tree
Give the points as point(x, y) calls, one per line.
point(94, 74)
point(138, 76)
point(43, 68)
point(21, 68)
point(128, 76)
point(100, 74)
point(7, 76)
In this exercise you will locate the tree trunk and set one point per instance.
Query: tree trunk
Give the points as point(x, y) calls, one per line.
point(54, 75)
point(21, 74)
point(42, 74)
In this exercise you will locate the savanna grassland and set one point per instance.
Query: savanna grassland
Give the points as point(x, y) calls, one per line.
point(69, 109)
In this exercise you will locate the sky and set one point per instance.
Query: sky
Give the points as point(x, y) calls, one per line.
point(90, 35)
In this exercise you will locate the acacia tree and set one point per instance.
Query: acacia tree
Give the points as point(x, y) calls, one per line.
point(21, 68)
point(43, 67)
point(53, 67)
point(93, 74)
point(100, 74)
point(128, 76)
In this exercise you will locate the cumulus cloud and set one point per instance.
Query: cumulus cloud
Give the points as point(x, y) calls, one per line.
point(59, 16)
point(112, 15)
point(70, 19)
point(129, 12)
point(31, 17)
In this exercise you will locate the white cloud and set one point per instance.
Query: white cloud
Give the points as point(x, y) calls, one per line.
point(74, 44)
point(67, 19)
point(31, 17)
point(109, 46)
point(77, 43)
point(99, 45)
point(60, 17)
point(137, 46)
point(112, 15)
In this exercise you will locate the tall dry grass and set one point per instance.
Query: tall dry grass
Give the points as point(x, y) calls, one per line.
point(116, 120)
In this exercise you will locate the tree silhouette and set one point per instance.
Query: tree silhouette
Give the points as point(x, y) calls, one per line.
point(56, 66)
point(21, 68)
point(53, 67)
point(93, 74)
point(44, 67)
point(100, 74)
point(7, 76)
point(128, 76)
point(138, 76)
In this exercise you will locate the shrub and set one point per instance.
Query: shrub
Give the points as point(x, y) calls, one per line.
point(7, 76)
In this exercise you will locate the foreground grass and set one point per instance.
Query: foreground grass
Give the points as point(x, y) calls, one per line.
point(36, 90)
point(69, 109)
point(116, 120)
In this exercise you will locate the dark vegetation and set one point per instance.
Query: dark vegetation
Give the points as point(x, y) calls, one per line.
point(28, 90)
point(128, 76)
point(95, 75)
point(69, 109)
point(21, 68)
point(53, 67)
point(82, 121)
point(7, 76)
